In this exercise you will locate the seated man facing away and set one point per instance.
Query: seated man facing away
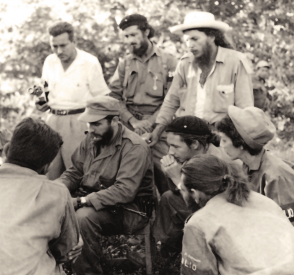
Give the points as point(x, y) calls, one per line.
point(187, 136)
point(38, 227)
point(236, 231)
point(112, 166)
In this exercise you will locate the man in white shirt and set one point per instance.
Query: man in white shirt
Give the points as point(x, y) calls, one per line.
point(73, 77)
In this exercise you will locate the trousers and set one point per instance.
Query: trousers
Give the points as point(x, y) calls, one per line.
point(93, 224)
point(170, 220)
point(72, 132)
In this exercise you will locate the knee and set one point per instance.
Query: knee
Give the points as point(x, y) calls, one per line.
point(168, 197)
point(83, 217)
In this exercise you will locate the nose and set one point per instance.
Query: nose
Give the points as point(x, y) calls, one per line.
point(90, 128)
point(59, 50)
point(171, 151)
point(221, 144)
point(190, 44)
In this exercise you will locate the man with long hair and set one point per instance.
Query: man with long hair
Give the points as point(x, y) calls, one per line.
point(215, 76)
point(141, 82)
point(236, 231)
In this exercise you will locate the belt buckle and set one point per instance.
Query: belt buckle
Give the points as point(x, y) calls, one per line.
point(61, 112)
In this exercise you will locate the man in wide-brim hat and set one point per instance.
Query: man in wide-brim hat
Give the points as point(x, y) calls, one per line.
point(215, 75)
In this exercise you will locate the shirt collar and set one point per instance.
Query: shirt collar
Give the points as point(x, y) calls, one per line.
point(9, 168)
point(256, 163)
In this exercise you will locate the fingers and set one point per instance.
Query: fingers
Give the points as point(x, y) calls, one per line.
point(167, 160)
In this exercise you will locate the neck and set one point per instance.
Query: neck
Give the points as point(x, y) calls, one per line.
point(246, 158)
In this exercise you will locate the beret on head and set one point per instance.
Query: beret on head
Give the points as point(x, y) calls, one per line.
point(132, 20)
point(191, 125)
point(253, 125)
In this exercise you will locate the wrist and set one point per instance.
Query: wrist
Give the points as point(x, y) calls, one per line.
point(159, 129)
point(84, 201)
point(132, 121)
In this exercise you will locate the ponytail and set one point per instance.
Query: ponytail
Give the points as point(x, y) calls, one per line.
point(213, 176)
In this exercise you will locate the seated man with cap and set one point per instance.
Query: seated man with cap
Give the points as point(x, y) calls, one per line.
point(112, 168)
point(187, 137)
point(244, 133)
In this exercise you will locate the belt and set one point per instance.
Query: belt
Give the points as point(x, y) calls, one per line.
point(67, 112)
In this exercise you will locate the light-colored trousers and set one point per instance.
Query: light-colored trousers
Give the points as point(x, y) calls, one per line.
point(72, 132)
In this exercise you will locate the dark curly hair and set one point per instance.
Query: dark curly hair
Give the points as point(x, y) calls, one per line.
point(60, 27)
point(220, 38)
point(227, 127)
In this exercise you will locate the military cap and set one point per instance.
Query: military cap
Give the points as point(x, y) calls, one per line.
point(253, 125)
point(262, 63)
point(132, 20)
point(98, 108)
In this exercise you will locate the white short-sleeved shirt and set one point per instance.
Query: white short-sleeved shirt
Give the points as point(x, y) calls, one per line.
point(71, 89)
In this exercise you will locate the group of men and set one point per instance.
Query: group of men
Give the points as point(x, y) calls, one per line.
point(118, 139)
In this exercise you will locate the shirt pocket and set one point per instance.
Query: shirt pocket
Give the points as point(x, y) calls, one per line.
point(106, 182)
point(154, 84)
point(223, 97)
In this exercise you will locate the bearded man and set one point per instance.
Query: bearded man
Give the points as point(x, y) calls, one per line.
point(215, 76)
point(141, 82)
point(111, 167)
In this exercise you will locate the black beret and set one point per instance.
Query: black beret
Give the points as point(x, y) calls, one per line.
point(191, 125)
point(132, 20)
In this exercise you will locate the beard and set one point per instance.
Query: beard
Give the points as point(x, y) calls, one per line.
point(104, 139)
point(205, 57)
point(142, 49)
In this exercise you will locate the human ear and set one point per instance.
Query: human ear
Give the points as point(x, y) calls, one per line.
point(147, 32)
point(6, 149)
point(195, 145)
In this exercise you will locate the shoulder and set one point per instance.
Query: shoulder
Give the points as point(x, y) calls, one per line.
point(134, 140)
point(50, 59)
point(87, 57)
point(235, 57)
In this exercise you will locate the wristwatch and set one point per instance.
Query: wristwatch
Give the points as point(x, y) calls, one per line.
point(83, 201)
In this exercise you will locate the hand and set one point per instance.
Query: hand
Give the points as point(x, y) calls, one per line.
point(76, 251)
point(171, 168)
point(142, 125)
point(75, 203)
point(42, 108)
point(147, 137)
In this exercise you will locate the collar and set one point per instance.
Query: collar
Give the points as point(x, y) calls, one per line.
point(9, 168)
point(155, 51)
point(256, 163)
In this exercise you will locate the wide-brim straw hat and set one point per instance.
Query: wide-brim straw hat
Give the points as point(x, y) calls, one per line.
point(200, 19)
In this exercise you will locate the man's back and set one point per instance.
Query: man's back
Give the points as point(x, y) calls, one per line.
point(37, 222)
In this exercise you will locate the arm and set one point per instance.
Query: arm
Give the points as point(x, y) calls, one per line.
point(97, 84)
point(243, 88)
point(135, 161)
point(116, 87)
point(172, 100)
point(73, 175)
point(197, 254)
point(69, 233)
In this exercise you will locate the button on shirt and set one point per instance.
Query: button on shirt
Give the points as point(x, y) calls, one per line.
point(272, 177)
point(224, 238)
point(145, 87)
point(228, 84)
point(38, 226)
point(71, 89)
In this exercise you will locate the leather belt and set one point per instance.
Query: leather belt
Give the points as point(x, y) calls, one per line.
point(67, 112)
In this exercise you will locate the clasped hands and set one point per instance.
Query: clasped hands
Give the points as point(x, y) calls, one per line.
point(171, 168)
point(141, 126)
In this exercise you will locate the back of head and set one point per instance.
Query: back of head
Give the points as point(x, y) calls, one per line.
point(192, 128)
point(61, 27)
point(33, 144)
point(211, 175)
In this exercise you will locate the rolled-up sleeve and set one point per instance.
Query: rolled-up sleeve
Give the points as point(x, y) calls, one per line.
point(96, 80)
point(72, 176)
point(135, 161)
point(197, 255)
point(243, 87)
point(172, 100)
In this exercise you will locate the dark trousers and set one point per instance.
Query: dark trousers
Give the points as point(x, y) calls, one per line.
point(93, 224)
point(170, 219)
